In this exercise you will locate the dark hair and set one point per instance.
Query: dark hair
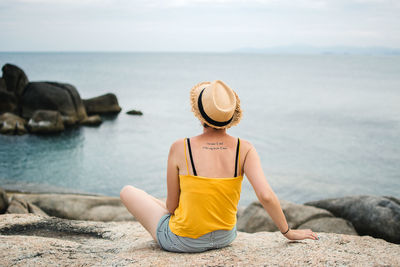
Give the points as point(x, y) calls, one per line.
point(208, 126)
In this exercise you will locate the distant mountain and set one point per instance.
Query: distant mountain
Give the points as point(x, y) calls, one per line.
point(306, 49)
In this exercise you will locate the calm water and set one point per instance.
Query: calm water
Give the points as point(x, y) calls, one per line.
point(324, 126)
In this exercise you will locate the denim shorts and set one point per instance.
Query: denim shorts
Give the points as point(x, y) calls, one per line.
point(174, 243)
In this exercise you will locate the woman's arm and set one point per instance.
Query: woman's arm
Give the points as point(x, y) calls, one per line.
point(173, 189)
point(254, 173)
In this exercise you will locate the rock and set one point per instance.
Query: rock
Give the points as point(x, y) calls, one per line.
point(80, 207)
point(36, 210)
point(15, 79)
point(3, 86)
point(18, 206)
point(60, 97)
point(134, 112)
point(8, 100)
point(94, 120)
point(256, 219)
point(21, 206)
point(31, 240)
point(3, 201)
point(46, 121)
point(330, 225)
point(12, 124)
point(104, 104)
point(240, 211)
point(370, 215)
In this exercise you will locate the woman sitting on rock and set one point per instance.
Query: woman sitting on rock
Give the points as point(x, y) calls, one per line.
point(204, 178)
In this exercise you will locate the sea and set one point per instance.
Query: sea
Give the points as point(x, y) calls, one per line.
point(324, 126)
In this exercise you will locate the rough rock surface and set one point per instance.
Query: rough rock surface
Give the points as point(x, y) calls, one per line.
point(61, 97)
point(94, 120)
point(15, 79)
point(31, 240)
point(255, 219)
point(8, 100)
point(20, 206)
point(371, 215)
point(3, 86)
point(104, 104)
point(3, 201)
point(12, 124)
point(46, 121)
point(79, 207)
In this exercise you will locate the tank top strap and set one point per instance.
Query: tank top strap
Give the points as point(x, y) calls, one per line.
point(187, 165)
point(237, 159)
point(191, 158)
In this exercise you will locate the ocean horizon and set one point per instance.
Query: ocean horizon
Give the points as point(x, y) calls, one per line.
point(324, 125)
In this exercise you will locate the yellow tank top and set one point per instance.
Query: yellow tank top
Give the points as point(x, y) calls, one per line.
point(206, 204)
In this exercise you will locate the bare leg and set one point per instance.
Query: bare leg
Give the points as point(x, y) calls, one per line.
point(145, 208)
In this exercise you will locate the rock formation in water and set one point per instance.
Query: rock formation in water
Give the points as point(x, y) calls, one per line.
point(12, 124)
point(15, 80)
point(20, 100)
point(60, 97)
point(46, 121)
point(134, 112)
point(104, 104)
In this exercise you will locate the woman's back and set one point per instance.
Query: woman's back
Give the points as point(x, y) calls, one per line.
point(208, 197)
point(213, 155)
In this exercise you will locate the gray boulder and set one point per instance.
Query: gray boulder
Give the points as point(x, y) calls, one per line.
point(371, 215)
point(80, 207)
point(12, 124)
point(60, 97)
point(15, 79)
point(330, 225)
point(94, 120)
point(3, 201)
point(17, 206)
point(255, 219)
point(104, 104)
point(21, 206)
point(240, 210)
point(46, 121)
point(297, 214)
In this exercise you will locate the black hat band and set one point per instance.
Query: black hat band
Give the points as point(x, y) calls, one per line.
point(204, 115)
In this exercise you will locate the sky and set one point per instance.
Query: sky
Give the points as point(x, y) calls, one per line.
point(195, 25)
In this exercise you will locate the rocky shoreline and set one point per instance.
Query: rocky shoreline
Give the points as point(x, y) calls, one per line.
point(73, 229)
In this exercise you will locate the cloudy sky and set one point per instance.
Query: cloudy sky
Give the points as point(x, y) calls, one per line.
point(195, 25)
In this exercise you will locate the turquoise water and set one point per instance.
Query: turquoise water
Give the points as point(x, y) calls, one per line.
point(324, 125)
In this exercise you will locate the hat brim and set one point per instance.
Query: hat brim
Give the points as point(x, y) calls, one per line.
point(194, 95)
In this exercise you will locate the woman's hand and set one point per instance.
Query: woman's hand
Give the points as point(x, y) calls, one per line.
point(300, 234)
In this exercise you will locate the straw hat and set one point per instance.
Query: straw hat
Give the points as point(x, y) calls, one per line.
point(215, 104)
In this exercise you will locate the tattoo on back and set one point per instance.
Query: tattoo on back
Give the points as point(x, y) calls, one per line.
point(215, 146)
